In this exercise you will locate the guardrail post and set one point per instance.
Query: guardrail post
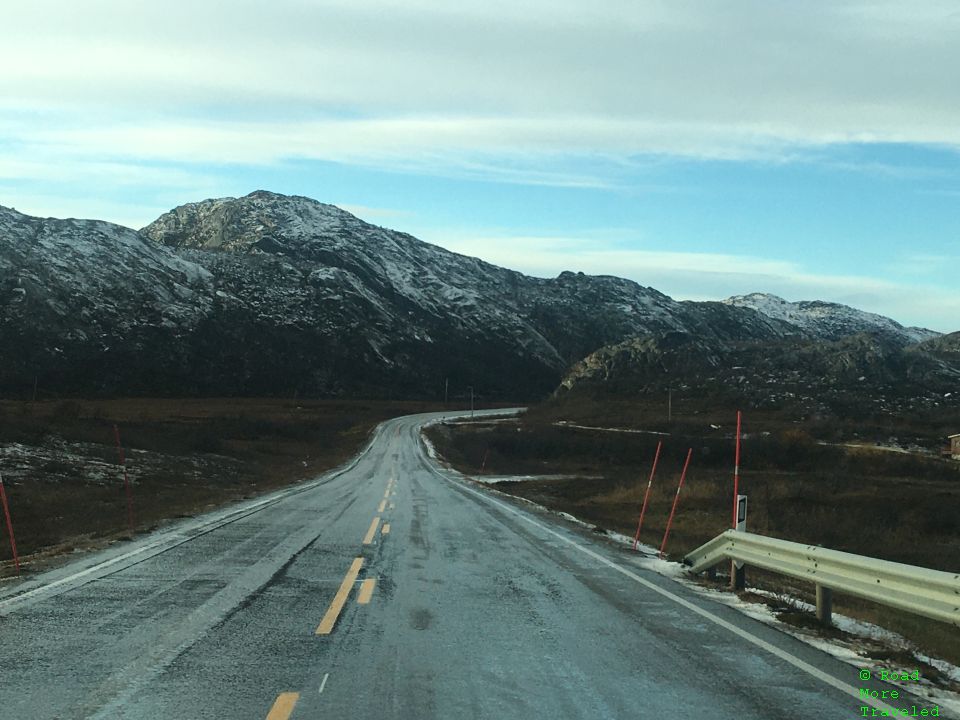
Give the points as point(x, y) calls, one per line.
point(824, 604)
point(738, 576)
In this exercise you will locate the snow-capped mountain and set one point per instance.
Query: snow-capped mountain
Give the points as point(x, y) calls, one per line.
point(82, 300)
point(416, 311)
point(831, 321)
point(273, 294)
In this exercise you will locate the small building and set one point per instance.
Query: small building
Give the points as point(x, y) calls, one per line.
point(954, 449)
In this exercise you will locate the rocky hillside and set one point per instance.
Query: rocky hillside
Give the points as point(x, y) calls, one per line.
point(385, 310)
point(279, 295)
point(830, 321)
point(87, 306)
point(855, 375)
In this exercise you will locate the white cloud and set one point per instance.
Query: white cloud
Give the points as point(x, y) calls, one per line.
point(367, 213)
point(131, 215)
point(355, 81)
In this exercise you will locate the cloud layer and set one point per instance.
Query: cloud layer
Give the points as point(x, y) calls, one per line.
point(392, 81)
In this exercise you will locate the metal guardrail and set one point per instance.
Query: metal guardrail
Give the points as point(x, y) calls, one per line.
point(931, 593)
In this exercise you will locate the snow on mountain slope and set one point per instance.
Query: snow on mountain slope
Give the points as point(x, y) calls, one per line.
point(63, 268)
point(73, 292)
point(275, 294)
point(829, 320)
point(419, 293)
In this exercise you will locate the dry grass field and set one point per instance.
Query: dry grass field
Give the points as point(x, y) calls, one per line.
point(60, 464)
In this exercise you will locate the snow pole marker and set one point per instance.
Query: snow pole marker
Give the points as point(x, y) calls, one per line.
point(736, 473)
point(738, 580)
point(646, 495)
point(676, 499)
point(6, 513)
point(126, 480)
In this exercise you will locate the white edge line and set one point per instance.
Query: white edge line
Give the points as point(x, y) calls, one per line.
point(324, 683)
point(746, 635)
point(177, 538)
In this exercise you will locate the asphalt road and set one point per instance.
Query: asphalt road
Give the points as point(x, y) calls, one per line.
point(393, 589)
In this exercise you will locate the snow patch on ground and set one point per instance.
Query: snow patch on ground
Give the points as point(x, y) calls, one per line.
point(844, 650)
point(431, 450)
point(571, 518)
point(568, 424)
point(494, 479)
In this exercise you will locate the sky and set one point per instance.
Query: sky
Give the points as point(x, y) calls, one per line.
point(706, 148)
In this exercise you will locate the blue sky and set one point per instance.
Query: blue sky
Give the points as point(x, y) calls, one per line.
point(704, 148)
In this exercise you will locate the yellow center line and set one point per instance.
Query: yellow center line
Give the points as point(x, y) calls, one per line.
point(283, 706)
point(386, 529)
point(366, 591)
point(383, 505)
point(368, 538)
point(340, 599)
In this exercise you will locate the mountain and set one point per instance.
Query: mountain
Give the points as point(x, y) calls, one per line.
point(393, 311)
point(831, 321)
point(862, 374)
point(943, 346)
point(284, 295)
point(83, 303)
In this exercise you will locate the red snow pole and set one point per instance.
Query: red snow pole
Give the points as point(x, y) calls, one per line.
point(736, 474)
point(646, 495)
point(6, 514)
point(676, 499)
point(126, 480)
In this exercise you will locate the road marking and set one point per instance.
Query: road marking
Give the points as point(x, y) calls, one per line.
point(324, 683)
point(176, 538)
point(745, 634)
point(368, 538)
point(386, 529)
point(366, 591)
point(340, 599)
point(383, 505)
point(283, 706)
point(392, 506)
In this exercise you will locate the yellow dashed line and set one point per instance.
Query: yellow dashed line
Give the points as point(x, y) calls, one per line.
point(366, 591)
point(383, 505)
point(371, 533)
point(283, 706)
point(339, 600)
point(386, 529)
